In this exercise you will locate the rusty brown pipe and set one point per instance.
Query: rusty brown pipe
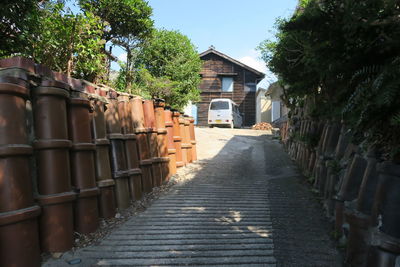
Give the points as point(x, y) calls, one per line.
point(131, 150)
point(52, 160)
point(86, 217)
point(142, 142)
point(162, 141)
point(184, 144)
point(170, 142)
point(18, 213)
point(105, 183)
point(117, 152)
point(177, 139)
point(187, 140)
point(150, 125)
point(192, 139)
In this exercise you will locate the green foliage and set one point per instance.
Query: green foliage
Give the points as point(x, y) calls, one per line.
point(49, 33)
point(344, 55)
point(170, 55)
point(69, 43)
point(126, 23)
point(18, 20)
point(126, 19)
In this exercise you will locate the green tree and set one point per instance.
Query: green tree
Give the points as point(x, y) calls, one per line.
point(127, 23)
point(18, 20)
point(343, 54)
point(69, 43)
point(171, 55)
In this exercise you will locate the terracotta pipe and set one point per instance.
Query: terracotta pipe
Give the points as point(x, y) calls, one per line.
point(192, 139)
point(83, 165)
point(162, 140)
point(150, 124)
point(53, 160)
point(177, 139)
point(170, 144)
point(131, 149)
point(187, 139)
point(184, 144)
point(18, 214)
point(143, 143)
point(117, 152)
point(105, 183)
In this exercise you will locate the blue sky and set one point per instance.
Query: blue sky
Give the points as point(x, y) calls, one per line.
point(234, 27)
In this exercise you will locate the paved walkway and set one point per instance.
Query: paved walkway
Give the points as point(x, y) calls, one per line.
point(245, 206)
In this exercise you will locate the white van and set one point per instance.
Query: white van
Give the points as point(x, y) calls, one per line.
point(223, 111)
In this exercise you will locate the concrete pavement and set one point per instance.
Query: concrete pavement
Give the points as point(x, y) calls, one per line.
point(245, 205)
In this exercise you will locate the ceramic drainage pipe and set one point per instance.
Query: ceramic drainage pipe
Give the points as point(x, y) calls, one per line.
point(150, 125)
point(18, 213)
point(145, 161)
point(83, 165)
point(106, 198)
point(131, 149)
point(117, 152)
point(177, 138)
point(52, 151)
point(170, 144)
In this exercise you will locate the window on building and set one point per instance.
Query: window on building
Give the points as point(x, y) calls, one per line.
point(250, 87)
point(227, 84)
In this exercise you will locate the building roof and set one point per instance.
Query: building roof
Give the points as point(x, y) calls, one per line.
point(212, 50)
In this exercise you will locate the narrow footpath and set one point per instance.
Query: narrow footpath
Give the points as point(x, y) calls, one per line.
point(246, 204)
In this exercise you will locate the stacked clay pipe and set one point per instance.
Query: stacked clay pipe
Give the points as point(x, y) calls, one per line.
point(72, 152)
point(192, 138)
point(187, 143)
point(130, 144)
point(52, 149)
point(150, 125)
point(162, 139)
point(83, 163)
point(145, 161)
point(360, 191)
point(18, 213)
point(171, 146)
point(104, 179)
point(177, 138)
point(117, 151)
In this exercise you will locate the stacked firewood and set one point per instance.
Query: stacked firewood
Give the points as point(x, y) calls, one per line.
point(262, 126)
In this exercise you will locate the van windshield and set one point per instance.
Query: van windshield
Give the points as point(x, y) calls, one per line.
point(219, 105)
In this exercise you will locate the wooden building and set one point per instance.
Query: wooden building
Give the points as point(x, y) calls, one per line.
point(225, 77)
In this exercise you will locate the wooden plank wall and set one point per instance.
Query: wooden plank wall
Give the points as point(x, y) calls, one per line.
point(211, 88)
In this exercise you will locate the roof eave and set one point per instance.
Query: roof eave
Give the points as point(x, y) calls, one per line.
point(259, 74)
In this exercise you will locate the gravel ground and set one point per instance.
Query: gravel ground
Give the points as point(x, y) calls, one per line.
point(244, 185)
